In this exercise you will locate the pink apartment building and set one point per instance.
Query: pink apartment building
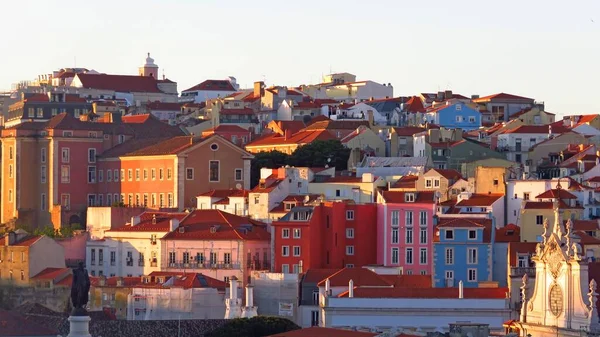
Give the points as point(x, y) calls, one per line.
point(405, 230)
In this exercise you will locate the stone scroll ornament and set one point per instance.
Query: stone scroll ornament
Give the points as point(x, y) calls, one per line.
point(79, 290)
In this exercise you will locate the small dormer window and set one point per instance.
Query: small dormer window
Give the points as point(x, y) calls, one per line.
point(288, 206)
point(409, 197)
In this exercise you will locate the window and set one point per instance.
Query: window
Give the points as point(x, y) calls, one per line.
point(145, 200)
point(423, 256)
point(349, 250)
point(525, 195)
point(129, 174)
point(91, 200)
point(285, 233)
point(338, 193)
point(297, 233)
point(449, 255)
point(472, 256)
point(54, 111)
point(409, 218)
point(171, 257)
point(472, 234)
point(121, 139)
point(145, 174)
point(160, 174)
point(395, 218)
point(409, 255)
point(137, 174)
point(65, 155)
point(153, 174)
point(423, 218)
point(436, 183)
point(409, 197)
point(93, 257)
point(186, 257)
point(65, 200)
point(495, 182)
point(113, 258)
point(296, 250)
point(539, 219)
point(395, 256)
point(285, 250)
point(189, 173)
point(10, 195)
point(395, 235)
point(472, 275)
point(213, 167)
point(31, 112)
point(109, 201)
point(238, 175)
point(43, 202)
point(91, 155)
point(100, 176)
point(523, 261)
point(43, 155)
point(108, 175)
point(169, 200)
point(67, 133)
point(471, 119)
point(314, 316)
point(285, 268)
point(350, 215)
point(449, 234)
point(153, 200)
point(161, 200)
point(349, 233)
point(423, 236)
point(10, 171)
point(428, 183)
point(459, 118)
point(91, 174)
point(409, 235)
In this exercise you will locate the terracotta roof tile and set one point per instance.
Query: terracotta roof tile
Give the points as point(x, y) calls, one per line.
point(153, 147)
point(409, 181)
point(527, 129)
point(317, 275)
point(212, 85)
point(51, 273)
point(225, 193)
point(26, 241)
point(362, 277)
point(414, 105)
point(500, 96)
point(119, 83)
point(226, 128)
point(406, 131)
point(197, 226)
point(399, 197)
point(146, 224)
point(300, 138)
point(480, 200)
point(111, 282)
point(336, 125)
point(585, 225)
point(556, 194)
point(449, 174)
point(484, 223)
point(508, 233)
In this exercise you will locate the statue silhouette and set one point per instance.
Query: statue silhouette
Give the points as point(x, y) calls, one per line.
point(79, 290)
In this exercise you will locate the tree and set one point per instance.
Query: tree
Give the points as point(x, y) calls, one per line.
point(318, 153)
point(272, 159)
point(258, 326)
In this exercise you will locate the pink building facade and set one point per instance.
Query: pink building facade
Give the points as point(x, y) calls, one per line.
point(405, 231)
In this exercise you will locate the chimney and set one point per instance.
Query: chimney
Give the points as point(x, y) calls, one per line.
point(448, 94)
point(287, 134)
point(173, 224)
point(135, 220)
point(371, 118)
point(460, 290)
point(327, 285)
point(233, 287)
point(259, 89)
point(10, 238)
point(249, 295)
point(351, 289)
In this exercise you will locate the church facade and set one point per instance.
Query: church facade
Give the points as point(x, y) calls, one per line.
point(563, 300)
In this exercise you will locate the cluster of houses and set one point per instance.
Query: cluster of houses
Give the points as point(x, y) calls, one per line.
point(442, 209)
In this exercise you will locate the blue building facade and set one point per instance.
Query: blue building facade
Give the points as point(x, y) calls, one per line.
point(455, 115)
point(463, 251)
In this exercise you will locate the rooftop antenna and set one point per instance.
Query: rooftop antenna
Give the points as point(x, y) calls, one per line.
point(164, 73)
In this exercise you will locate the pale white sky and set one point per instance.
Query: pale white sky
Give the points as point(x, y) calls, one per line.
point(548, 50)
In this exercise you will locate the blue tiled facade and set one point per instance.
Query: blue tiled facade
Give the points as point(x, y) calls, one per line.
point(457, 115)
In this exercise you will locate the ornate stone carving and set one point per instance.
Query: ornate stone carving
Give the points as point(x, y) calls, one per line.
point(593, 310)
point(576, 251)
point(545, 233)
point(554, 259)
point(524, 298)
point(530, 306)
point(556, 300)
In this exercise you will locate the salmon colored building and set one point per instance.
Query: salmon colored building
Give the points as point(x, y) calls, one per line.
point(172, 172)
point(337, 234)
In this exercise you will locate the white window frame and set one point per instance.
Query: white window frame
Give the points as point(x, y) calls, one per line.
point(469, 234)
point(472, 275)
point(449, 256)
point(349, 233)
point(350, 214)
point(409, 218)
point(296, 251)
point(235, 174)
point(411, 255)
point(285, 233)
point(395, 236)
point(297, 233)
point(92, 155)
point(472, 257)
point(422, 253)
point(395, 218)
point(285, 251)
point(350, 250)
point(395, 256)
point(409, 235)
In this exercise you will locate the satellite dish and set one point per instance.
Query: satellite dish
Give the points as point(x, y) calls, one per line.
point(238, 186)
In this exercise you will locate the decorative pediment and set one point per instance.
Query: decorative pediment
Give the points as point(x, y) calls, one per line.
point(553, 255)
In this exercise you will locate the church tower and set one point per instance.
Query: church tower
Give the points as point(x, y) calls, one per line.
point(149, 68)
point(562, 299)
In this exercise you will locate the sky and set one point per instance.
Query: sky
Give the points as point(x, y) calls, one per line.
point(547, 50)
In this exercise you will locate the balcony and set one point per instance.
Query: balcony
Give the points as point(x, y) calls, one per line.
point(520, 271)
point(257, 265)
point(203, 265)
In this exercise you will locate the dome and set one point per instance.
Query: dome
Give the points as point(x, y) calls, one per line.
point(150, 62)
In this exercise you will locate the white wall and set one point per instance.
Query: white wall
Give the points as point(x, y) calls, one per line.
point(518, 187)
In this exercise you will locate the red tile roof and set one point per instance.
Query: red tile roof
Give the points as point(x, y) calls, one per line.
point(26, 241)
point(324, 332)
point(414, 105)
point(162, 223)
point(183, 280)
point(585, 225)
point(585, 119)
point(212, 85)
point(51, 273)
point(226, 128)
point(293, 126)
point(317, 275)
point(399, 197)
point(300, 138)
point(409, 181)
point(224, 193)
point(428, 293)
point(556, 194)
point(197, 226)
point(484, 223)
point(449, 174)
point(508, 233)
point(153, 147)
point(336, 125)
point(501, 96)
point(362, 277)
point(354, 134)
point(268, 185)
point(480, 200)
point(14, 324)
point(319, 118)
point(586, 239)
point(537, 129)
point(407, 131)
point(111, 282)
point(119, 83)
